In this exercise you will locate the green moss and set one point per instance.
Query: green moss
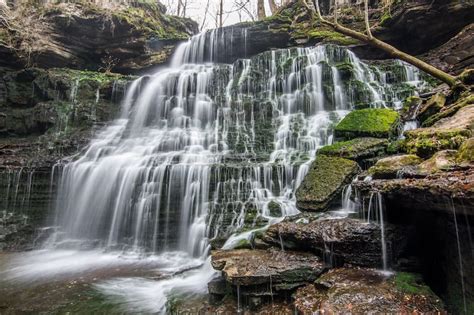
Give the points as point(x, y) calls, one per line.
point(324, 182)
point(466, 152)
point(356, 148)
point(386, 16)
point(410, 283)
point(370, 122)
point(243, 244)
point(463, 101)
point(332, 37)
point(389, 167)
point(425, 143)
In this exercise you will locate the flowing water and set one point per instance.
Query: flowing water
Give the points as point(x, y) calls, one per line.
point(202, 151)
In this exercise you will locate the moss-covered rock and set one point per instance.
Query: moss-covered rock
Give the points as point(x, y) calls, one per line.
point(464, 100)
point(324, 182)
point(465, 154)
point(370, 122)
point(447, 134)
point(431, 107)
point(356, 149)
point(390, 167)
point(440, 161)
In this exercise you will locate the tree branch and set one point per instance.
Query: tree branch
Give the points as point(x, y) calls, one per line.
point(389, 49)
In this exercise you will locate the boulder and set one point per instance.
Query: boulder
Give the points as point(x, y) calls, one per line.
point(431, 107)
point(446, 134)
point(440, 161)
point(465, 155)
point(393, 166)
point(364, 291)
point(278, 269)
point(357, 149)
point(369, 122)
point(324, 182)
point(341, 240)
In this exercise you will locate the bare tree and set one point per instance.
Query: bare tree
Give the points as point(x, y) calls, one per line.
point(273, 6)
point(368, 38)
point(261, 10)
point(206, 13)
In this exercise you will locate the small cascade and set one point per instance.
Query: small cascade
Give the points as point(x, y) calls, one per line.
point(461, 267)
point(376, 214)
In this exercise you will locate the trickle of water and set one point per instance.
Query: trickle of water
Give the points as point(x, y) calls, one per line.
point(376, 214)
point(461, 268)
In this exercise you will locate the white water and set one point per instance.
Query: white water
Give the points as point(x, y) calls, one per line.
point(197, 148)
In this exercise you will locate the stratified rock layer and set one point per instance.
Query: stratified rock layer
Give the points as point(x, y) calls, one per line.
point(342, 240)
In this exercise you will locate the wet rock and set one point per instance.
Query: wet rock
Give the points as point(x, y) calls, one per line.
point(391, 167)
point(440, 161)
point(465, 99)
point(324, 182)
point(465, 154)
point(280, 269)
point(431, 107)
point(436, 192)
point(446, 134)
point(357, 149)
point(361, 291)
point(341, 240)
point(370, 122)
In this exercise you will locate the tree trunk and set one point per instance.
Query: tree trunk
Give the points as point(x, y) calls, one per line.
point(273, 6)
point(261, 10)
point(221, 10)
point(389, 49)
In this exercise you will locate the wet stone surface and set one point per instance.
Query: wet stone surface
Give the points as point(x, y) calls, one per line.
point(362, 291)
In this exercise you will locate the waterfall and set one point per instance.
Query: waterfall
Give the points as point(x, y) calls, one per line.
point(201, 150)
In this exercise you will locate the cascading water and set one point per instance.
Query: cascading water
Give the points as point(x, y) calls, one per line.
point(202, 150)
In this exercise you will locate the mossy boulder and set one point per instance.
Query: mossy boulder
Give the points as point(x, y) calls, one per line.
point(440, 161)
point(322, 186)
point(369, 122)
point(431, 107)
point(357, 149)
point(465, 154)
point(391, 166)
point(464, 100)
point(447, 134)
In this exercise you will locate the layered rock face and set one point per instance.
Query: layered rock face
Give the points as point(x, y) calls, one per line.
point(45, 116)
point(82, 35)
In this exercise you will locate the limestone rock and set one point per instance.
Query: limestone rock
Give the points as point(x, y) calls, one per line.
point(363, 291)
point(442, 160)
point(370, 122)
point(466, 152)
point(357, 149)
point(281, 269)
point(447, 133)
point(343, 240)
point(325, 180)
point(390, 167)
point(431, 107)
